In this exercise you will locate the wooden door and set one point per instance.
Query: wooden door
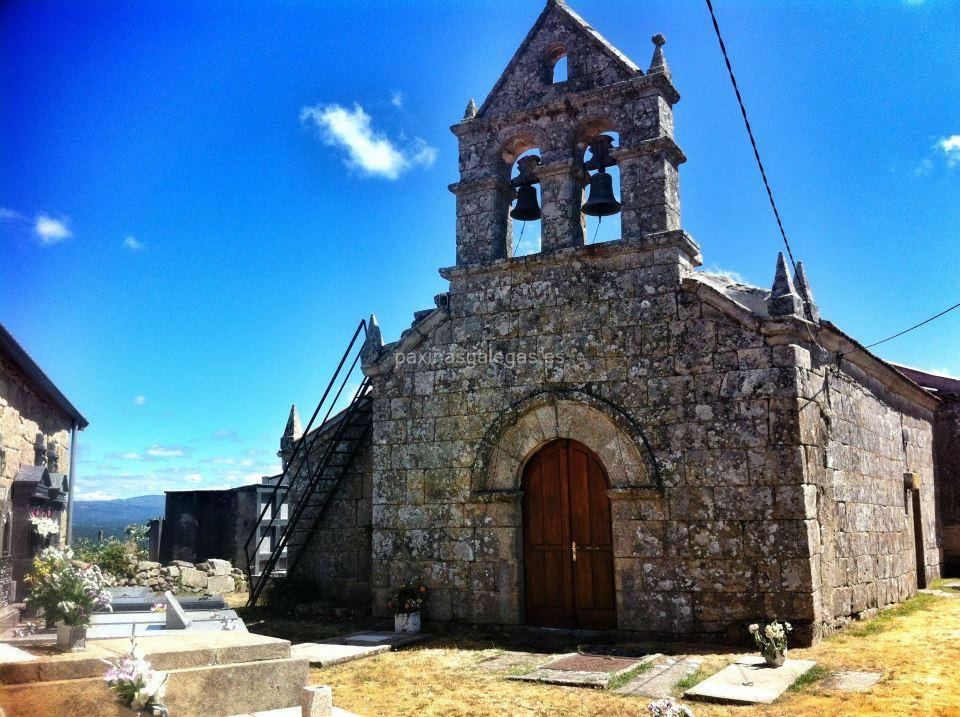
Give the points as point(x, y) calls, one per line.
point(567, 539)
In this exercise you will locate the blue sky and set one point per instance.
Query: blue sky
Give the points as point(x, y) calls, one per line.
point(185, 250)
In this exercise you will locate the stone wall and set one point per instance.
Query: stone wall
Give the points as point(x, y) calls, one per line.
point(32, 432)
point(215, 576)
point(947, 445)
point(706, 527)
point(336, 561)
point(864, 441)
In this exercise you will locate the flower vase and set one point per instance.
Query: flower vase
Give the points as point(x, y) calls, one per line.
point(406, 622)
point(71, 638)
point(775, 658)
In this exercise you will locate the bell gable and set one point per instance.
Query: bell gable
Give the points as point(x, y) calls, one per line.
point(558, 34)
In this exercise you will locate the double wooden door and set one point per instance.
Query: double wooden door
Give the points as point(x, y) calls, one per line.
point(567, 539)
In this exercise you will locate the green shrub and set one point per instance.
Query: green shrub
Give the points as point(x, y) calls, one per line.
point(111, 556)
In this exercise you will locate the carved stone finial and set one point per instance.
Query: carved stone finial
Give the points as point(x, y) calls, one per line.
point(659, 63)
point(370, 351)
point(471, 111)
point(806, 293)
point(784, 299)
point(293, 430)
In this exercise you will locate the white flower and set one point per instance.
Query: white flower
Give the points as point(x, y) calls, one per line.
point(754, 628)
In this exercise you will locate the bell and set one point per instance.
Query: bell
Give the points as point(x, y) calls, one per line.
point(527, 207)
point(601, 202)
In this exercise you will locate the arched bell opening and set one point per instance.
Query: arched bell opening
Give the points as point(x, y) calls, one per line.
point(594, 145)
point(521, 158)
point(556, 65)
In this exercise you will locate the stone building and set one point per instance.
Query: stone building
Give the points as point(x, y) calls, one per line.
point(604, 436)
point(38, 428)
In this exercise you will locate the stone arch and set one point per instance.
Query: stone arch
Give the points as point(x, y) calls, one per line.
point(528, 425)
point(511, 143)
point(589, 128)
point(551, 56)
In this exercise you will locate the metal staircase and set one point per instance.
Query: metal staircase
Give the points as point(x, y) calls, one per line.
point(320, 461)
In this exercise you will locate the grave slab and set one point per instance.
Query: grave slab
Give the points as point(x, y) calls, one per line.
point(749, 681)
point(599, 670)
point(851, 681)
point(513, 660)
point(659, 680)
point(325, 654)
point(391, 639)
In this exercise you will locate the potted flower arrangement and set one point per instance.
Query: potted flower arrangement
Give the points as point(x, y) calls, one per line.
point(772, 641)
point(406, 604)
point(69, 592)
point(136, 684)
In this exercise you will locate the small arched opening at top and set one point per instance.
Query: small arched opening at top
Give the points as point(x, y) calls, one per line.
point(556, 64)
point(607, 228)
point(523, 237)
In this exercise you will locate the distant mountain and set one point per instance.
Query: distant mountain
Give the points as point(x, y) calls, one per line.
point(112, 516)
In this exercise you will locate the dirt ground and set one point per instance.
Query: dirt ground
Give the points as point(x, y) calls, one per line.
point(916, 646)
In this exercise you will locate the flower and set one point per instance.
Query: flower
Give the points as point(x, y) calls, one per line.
point(754, 628)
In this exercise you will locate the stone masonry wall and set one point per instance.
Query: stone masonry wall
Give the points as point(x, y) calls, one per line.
point(336, 561)
point(32, 432)
point(947, 447)
point(863, 442)
point(710, 552)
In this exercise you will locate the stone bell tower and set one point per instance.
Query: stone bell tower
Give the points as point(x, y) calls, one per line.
point(526, 109)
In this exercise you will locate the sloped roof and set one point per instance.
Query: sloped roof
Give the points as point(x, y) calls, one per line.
point(41, 382)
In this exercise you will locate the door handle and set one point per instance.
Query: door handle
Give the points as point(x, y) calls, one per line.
point(573, 547)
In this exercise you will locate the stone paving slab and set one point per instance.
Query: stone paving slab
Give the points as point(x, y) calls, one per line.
point(10, 654)
point(659, 680)
point(851, 681)
point(513, 660)
point(325, 654)
point(391, 639)
point(940, 593)
point(749, 681)
point(579, 678)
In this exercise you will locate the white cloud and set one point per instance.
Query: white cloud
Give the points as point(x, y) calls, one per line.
point(95, 495)
point(193, 478)
point(132, 243)
point(11, 214)
point(130, 456)
point(50, 230)
point(396, 99)
point(252, 478)
point(367, 150)
point(950, 146)
point(165, 451)
point(139, 400)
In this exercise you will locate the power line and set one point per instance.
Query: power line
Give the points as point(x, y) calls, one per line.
point(766, 183)
point(753, 141)
point(915, 326)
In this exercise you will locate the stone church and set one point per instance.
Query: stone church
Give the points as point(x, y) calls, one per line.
point(602, 436)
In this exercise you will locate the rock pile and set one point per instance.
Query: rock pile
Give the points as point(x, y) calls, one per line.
point(213, 576)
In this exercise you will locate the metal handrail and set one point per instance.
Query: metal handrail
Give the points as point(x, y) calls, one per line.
point(299, 445)
point(303, 499)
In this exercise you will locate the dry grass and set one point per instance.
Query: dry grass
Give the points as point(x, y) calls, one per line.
point(917, 648)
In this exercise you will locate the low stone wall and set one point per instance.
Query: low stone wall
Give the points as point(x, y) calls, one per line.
point(213, 576)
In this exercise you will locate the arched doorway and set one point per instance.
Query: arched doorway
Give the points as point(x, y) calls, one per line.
point(567, 539)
